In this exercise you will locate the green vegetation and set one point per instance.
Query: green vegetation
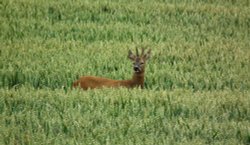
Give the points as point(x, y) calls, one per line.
point(197, 80)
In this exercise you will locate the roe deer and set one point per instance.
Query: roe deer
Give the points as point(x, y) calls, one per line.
point(139, 61)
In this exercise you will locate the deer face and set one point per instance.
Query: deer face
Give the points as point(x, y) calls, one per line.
point(139, 60)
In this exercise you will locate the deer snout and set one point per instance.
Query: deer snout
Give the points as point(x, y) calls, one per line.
point(137, 68)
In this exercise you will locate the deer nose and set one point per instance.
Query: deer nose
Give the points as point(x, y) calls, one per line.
point(137, 68)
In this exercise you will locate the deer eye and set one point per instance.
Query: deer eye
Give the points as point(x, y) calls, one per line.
point(142, 63)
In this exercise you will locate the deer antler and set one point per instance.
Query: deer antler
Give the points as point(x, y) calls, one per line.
point(131, 55)
point(142, 52)
point(137, 53)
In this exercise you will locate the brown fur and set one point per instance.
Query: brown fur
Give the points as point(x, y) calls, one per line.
point(92, 82)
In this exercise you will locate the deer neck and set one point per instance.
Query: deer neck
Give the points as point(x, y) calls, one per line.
point(138, 79)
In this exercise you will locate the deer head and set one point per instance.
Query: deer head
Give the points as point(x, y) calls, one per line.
point(139, 60)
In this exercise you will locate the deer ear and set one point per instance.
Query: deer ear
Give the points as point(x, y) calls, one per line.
point(147, 55)
point(131, 55)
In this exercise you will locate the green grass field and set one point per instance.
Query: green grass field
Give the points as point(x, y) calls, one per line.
point(197, 85)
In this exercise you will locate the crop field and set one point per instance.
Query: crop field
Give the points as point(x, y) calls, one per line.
point(197, 82)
